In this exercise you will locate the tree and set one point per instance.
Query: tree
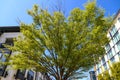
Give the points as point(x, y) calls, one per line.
point(100, 77)
point(62, 47)
point(104, 76)
point(107, 76)
point(115, 71)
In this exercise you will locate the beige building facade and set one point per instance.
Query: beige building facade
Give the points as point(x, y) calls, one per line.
point(112, 48)
point(6, 37)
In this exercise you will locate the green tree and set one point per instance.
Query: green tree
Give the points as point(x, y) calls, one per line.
point(100, 77)
point(62, 47)
point(106, 76)
point(115, 71)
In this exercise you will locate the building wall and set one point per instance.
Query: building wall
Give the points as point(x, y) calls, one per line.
point(112, 48)
point(8, 35)
point(11, 74)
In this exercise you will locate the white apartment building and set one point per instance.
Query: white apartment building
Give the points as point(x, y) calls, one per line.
point(6, 37)
point(112, 48)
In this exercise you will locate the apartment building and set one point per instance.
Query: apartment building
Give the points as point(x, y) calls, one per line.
point(6, 37)
point(112, 48)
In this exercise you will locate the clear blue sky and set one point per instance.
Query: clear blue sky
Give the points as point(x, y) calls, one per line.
point(12, 10)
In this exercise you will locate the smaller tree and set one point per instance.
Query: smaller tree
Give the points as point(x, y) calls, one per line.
point(115, 70)
point(100, 77)
point(106, 76)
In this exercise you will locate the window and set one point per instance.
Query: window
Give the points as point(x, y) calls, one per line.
point(118, 45)
point(98, 65)
point(2, 67)
point(30, 75)
point(116, 38)
point(1, 45)
point(107, 47)
point(112, 59)
point(98, 71)
point(105, 66)
point(103, 60)
point(9, 41)
point(109, 54)
point(119, 19)
point(113, 30)
point(20, 74)
point(3, 59)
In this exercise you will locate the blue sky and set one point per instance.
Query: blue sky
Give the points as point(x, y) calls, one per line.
point(13, 10)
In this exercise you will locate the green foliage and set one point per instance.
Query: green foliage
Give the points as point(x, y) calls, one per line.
point(100, 77)
point(61, 46)
point(115, 71)
point(106, 76)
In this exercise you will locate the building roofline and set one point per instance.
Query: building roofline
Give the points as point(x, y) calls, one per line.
point(116, 14)
point(115, 17)
point(9, 29)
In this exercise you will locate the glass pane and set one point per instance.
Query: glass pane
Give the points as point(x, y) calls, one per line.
point(30, 75)
point(110, 54)
point(103, 60)
point(105, 66)
point(116, 38)
point(112, 59)
point(113, 30)
point(107, 47)
point(118, 46)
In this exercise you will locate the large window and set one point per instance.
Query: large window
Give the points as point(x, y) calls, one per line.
point(113, 30)
point(118, 45)
point(98, 65)
point(116, 38)
point(105, 66)
point(109, 54)
point(107, 47)
point(30, 75)
point(20, 74)
point(103, 60)
point(112, 59)
point(2, 67)
point(98, 70)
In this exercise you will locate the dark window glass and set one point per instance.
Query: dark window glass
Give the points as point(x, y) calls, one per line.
point(1, 45)
point(9, 41)
point(2, 67)
point(20, 74)
point(112, 59)
point(98, 70)
point(105, 66)
point(119, 54)
point(103, 60)
point(30, 75)
point(3, 59)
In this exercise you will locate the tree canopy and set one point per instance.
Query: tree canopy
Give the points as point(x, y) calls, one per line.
point(62, 47)
point(115, 71)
